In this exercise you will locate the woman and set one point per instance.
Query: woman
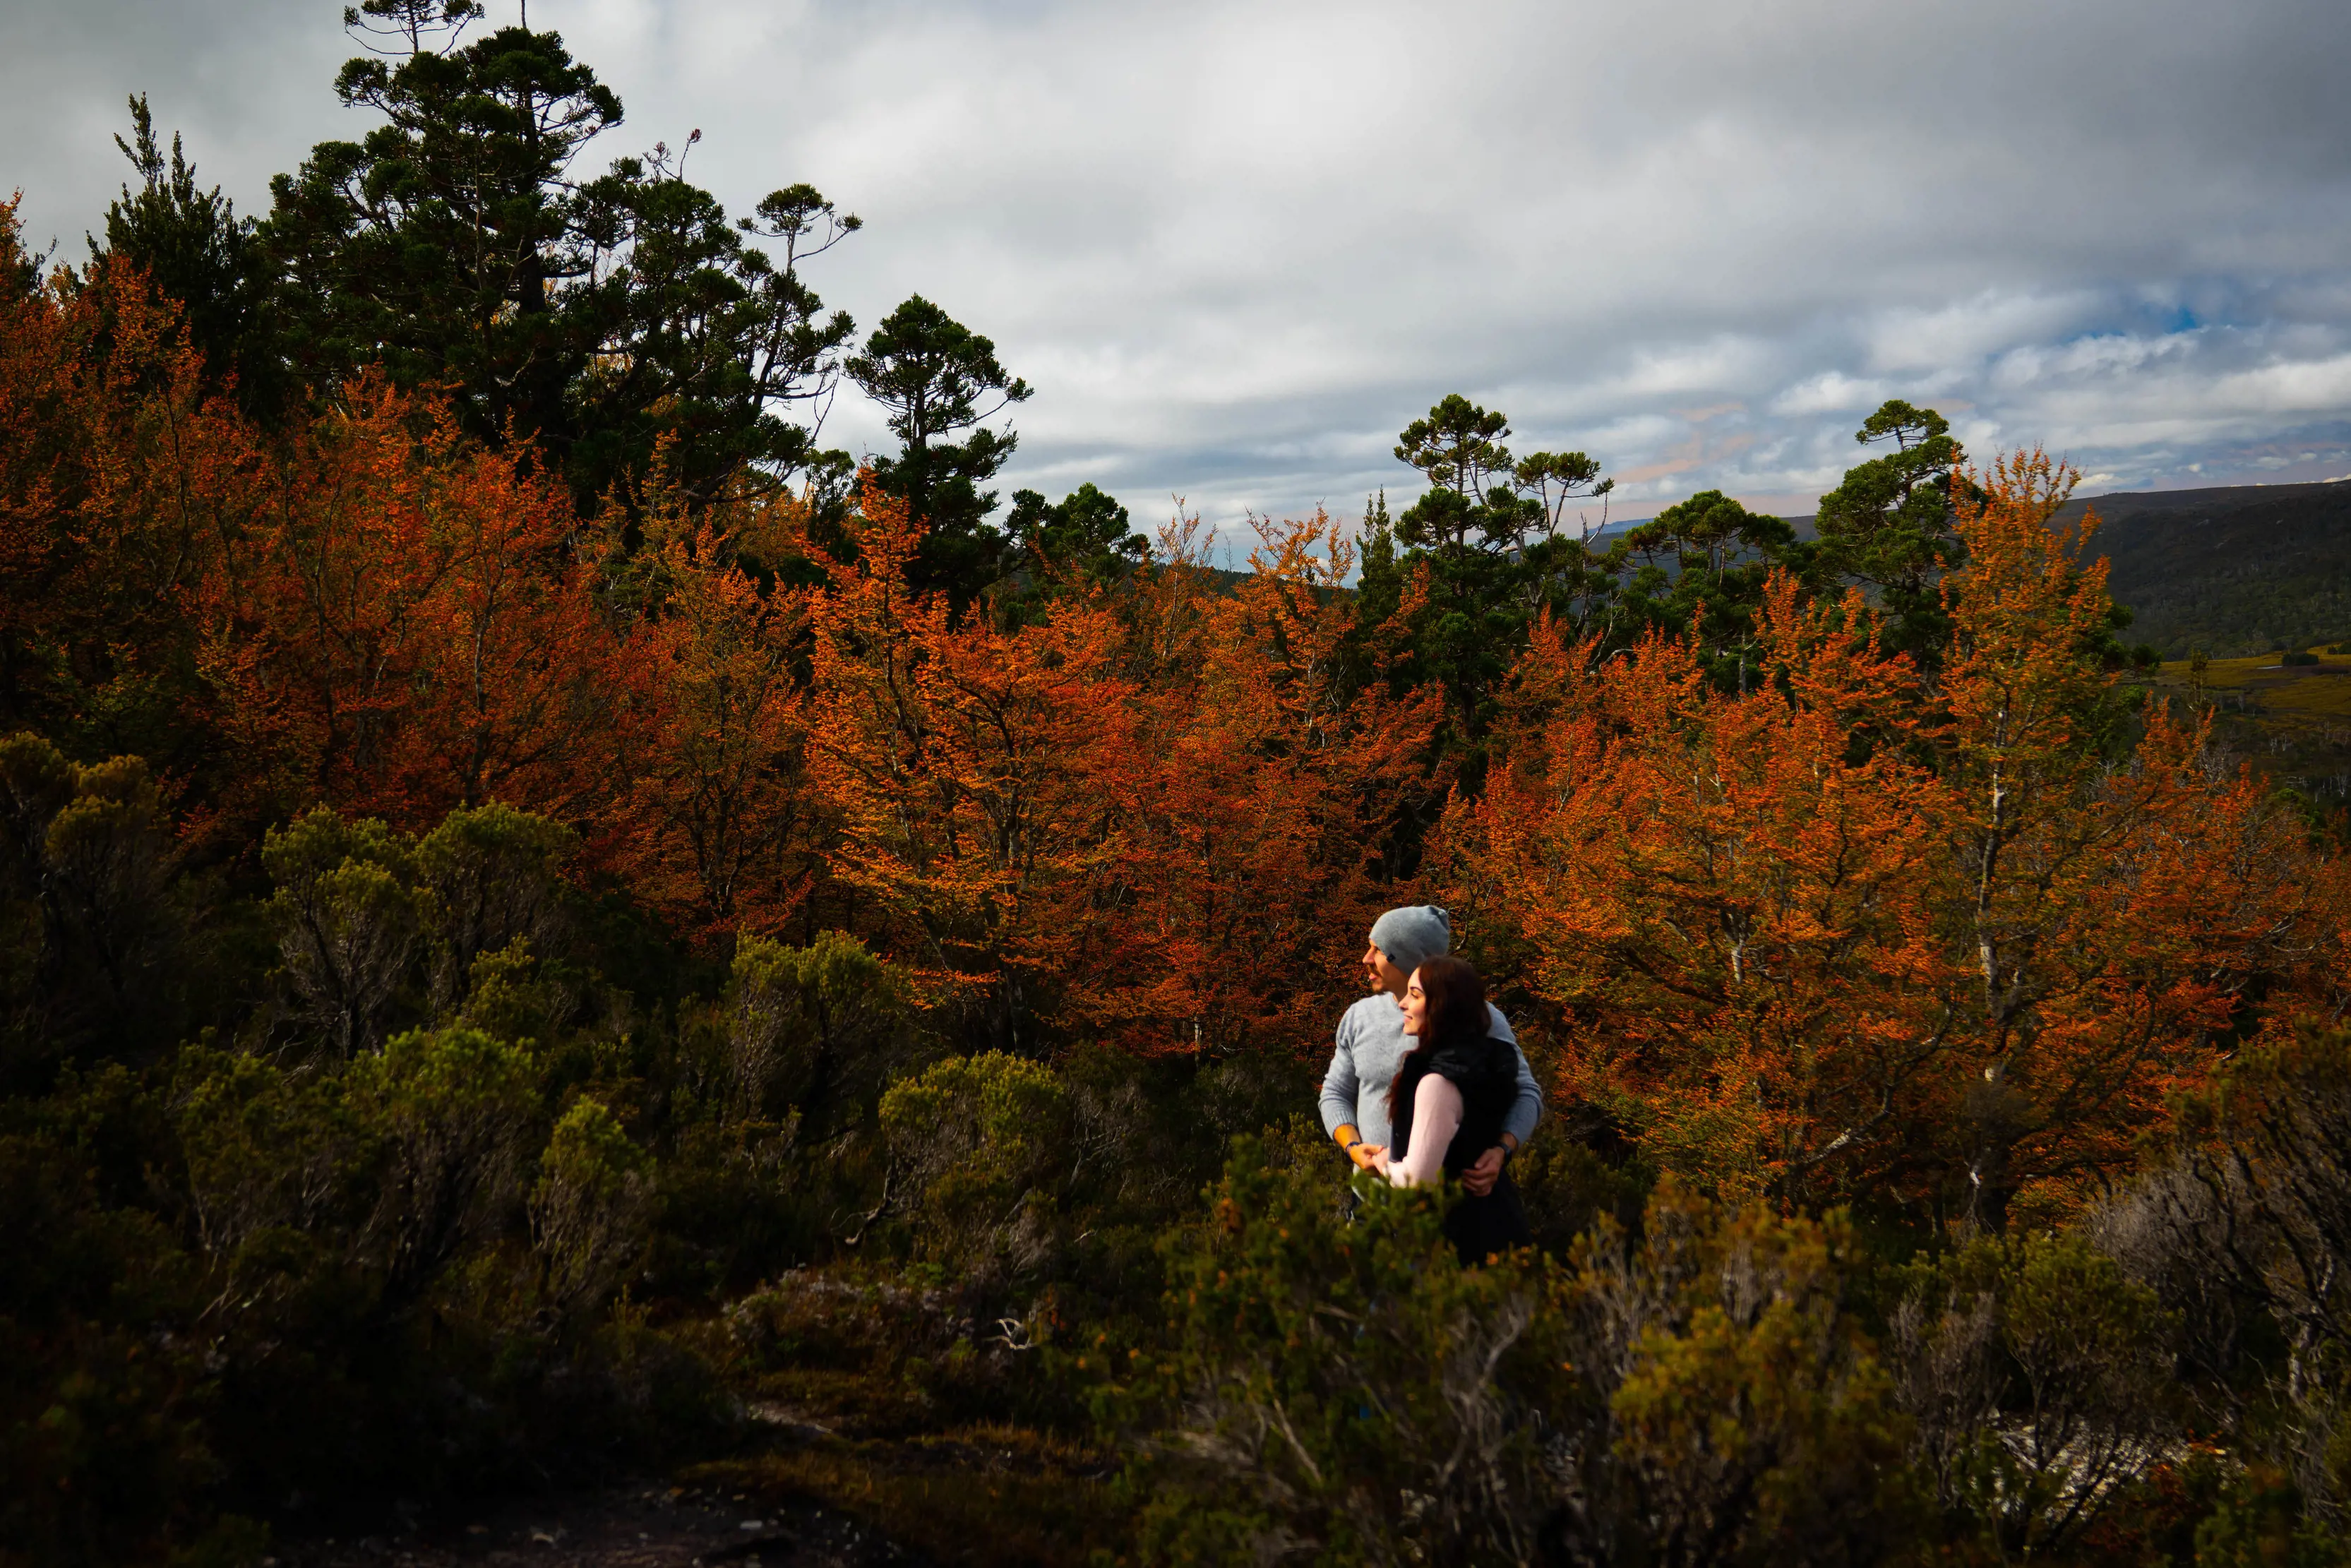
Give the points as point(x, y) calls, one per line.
point(1446, 1105)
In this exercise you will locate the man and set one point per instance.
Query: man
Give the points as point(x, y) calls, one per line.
point(1372, 1042)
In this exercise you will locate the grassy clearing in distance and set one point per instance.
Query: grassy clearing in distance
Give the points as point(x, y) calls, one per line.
point(2292, 722)
point(2322, 690)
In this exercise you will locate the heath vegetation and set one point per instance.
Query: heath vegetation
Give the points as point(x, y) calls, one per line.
point(555, 927)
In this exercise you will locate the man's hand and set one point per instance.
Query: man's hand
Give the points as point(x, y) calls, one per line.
point(1478, 1179)
point(1351, 1143)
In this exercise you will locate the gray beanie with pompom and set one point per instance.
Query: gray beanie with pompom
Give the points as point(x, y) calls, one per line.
point(1413, 934)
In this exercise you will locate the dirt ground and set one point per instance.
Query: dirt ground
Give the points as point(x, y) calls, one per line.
point(800, 1492)
point(636, 1526)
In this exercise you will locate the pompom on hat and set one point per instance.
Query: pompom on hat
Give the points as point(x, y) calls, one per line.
point(1413, 934)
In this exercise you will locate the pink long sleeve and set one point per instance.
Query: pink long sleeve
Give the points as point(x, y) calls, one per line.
point(1435, 1117)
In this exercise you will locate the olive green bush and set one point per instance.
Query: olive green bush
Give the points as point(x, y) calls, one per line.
point(355, 1169)
point(978, 1149)
point(1729, 1406)
point(825, 1025)
point(1335, 1389)
point(350, 921)
point(2042, 1381)
point(2241, 1228)
point(592, 1210)
point(94, 924)
point(368, 1241)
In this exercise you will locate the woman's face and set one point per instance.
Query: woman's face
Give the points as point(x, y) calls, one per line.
point(1416, 1005)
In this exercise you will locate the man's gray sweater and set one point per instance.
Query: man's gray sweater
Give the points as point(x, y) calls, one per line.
point(1372, 1042)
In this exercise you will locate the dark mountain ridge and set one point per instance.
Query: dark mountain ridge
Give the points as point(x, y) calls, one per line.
point(2231, 570)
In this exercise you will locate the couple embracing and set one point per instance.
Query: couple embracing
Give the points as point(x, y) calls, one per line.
point(1428, 1081)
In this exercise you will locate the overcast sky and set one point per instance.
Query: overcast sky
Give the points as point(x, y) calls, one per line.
point(1236, 248)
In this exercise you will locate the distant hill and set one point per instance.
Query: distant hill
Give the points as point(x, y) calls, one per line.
point(2235, 571)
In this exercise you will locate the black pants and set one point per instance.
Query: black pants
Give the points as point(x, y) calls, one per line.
point(1481, 1227)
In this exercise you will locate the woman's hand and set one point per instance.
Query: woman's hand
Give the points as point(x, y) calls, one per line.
point(1379, 1160)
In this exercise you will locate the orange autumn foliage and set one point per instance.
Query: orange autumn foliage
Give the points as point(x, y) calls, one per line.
point(2117, 914)
point(1717, 904)
point(716, 827)
point(1843, 934)
point(1149, 820)
point(975, 774)
point(1279, 767)
point(405, 630)
point(123, 486)
point(365, 609)
point(1855, 931)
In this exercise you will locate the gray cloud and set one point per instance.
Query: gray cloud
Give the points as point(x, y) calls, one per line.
point(1236, 247)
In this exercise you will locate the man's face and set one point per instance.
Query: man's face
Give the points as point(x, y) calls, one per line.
point(1380, 974)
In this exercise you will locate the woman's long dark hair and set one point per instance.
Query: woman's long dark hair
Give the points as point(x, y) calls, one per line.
point(1456, 1012)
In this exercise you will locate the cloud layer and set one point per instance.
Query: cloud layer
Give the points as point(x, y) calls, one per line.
point(1237, 246)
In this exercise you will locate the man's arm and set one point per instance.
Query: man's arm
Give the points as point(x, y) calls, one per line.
point(1339, 1089)
point(1520, 1125)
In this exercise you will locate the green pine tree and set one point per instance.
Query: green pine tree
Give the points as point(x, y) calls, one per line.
point(194, 248)
point(936, 377)
point(462, 243)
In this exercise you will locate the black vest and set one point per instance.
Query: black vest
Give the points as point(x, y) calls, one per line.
point(1486, 1071)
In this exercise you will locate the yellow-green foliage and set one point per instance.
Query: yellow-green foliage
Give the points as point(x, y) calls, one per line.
point(2321, 689)
point(977, 1138)
point(2042, 1382)
point(1751, 1412)
point(87, 916)
point(826, 1020)
point(267, 1151)
point(449, 1107)
point(591, 1208)
point(1335, 1389)
point(349, 917)
point(1339, 1389)
point(374, 925)
point(496, 874)
point(507, 994)
point(2261, 1523)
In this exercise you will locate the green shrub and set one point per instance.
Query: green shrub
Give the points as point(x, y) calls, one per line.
point(872, 1354)
point(268, 1150)
point(1747, 1416)
point(818, 1028)
point(104, 1451)
point(591, 1210)
point(350, 921)
point(448, 1108)
point(496, 877)
point(2238, 1228)
point(375, 927)
point(2042, 1381)
point(980, 1144)
point(91, 923)
point(2261, 1523)
point(1338, 1388)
